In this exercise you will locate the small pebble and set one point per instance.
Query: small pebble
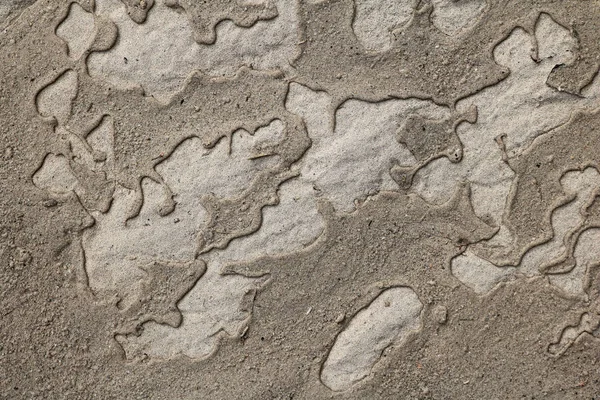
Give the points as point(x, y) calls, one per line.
point(440, 314)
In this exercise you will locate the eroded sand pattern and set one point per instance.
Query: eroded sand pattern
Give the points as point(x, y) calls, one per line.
point(390, 318)
point(313, 199)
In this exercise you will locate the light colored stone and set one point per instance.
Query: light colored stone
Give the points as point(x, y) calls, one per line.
point(115, 249)
point(210, 311)
point(190, 172)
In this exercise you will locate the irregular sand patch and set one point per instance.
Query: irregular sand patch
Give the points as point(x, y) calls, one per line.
point(583, 185)
point(388, 320)
point(160, 53)
point(510, 115)
point(374, 21)
point(55, 175)
point(189, 172)
point(55, 99)
point(339, 168)
point(481, 275)
point(11, 9)
point(353, 161)
point(215, 306)
point(77, 30)
point(452, 16)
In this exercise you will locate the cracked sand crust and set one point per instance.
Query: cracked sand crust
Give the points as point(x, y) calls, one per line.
point(335, 209)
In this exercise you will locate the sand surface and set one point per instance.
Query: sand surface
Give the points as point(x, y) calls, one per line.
point(307, 199)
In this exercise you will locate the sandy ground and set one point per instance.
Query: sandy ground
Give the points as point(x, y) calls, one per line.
point(276, 199)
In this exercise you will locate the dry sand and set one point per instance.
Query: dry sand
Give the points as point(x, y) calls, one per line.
point(276, 199)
